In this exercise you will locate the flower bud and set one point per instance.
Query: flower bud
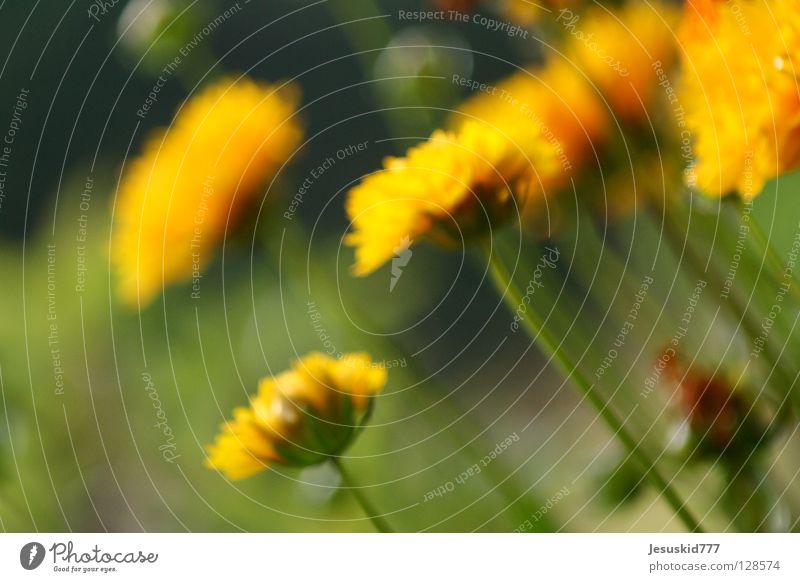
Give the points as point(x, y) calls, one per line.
point(300, 417)
point(722, 420)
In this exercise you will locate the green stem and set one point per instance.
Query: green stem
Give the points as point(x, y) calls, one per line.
point(366, 505)
point(777, 270)
point(523, 504)
point(738, 509)
point(748, 497)
point(736, 308)
point(767, 252)
point(512, 295)
point(519, 501)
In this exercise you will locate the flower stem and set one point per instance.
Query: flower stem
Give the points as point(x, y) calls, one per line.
point(519, 500)
point(751, 501)
point(462, 433)
point(763, 246)
point(512, 295)
point(366, 505)
point(736, 308)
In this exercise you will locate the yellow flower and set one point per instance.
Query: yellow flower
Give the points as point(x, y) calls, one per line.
point(193, 179)
point(554, 104)
point(300, 417)
point(617, 51)
point(739, 89)
point(444, 187)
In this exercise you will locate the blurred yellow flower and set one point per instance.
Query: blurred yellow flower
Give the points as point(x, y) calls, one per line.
point(740, 92)
point(193, 179)
point(455, 184)
point(617, 50)
point(555, 104)
point(300, 417)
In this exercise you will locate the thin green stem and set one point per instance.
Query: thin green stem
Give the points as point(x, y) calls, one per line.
point(366, 505)
point(779, 274)
point(743, 316)
point(736, 308)
point(504, 484)
point(523, 504)
point(749, 497)
point(766, 249)
point(538, 332)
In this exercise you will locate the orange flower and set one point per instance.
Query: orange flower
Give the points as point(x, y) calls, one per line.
point(617, 51)
point(740, 91)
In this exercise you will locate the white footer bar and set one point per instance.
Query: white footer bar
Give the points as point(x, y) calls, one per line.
point(402, 557)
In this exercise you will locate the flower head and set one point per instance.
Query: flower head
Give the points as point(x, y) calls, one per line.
point(617, 51)
point(555, 104)
point(527, 12)
point(177, 198)
point(446, 187)
point(740, 91)
point(300, 417)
